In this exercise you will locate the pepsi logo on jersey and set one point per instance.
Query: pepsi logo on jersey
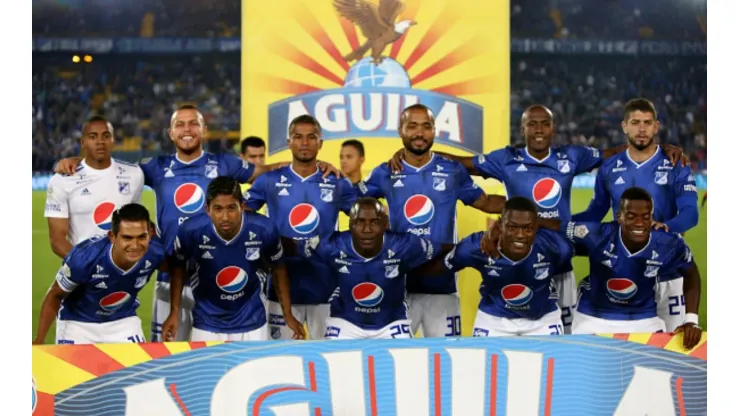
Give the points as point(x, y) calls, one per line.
point(303, 218)
point(103, 215)
point(232, 280)
point(419, 210)
point(367, 295)
point(621, 290)
point(547, 193)
point(516, 296)
point(112, 302)
point(189, 198)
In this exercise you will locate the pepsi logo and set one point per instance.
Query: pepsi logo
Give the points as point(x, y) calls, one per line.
point(547, 192)
point(367, 294)
point(621, 288)
point(516, 294)
point(418, 209)
point(113, 301)
point(189, 198)
point(303, 218)
point(103, 215)
point(231, 279)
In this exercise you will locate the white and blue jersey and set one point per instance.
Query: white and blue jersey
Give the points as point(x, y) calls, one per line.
point(228, 287)
point(99, 291)
point(515, 289)
point(621, 285)
point(370, 293)
point(423, 201)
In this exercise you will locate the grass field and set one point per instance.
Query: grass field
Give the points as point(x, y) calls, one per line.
point(46, 264)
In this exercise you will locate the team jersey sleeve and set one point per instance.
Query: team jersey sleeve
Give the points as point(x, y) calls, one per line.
point(149, 167)
point(418, 250)
point(686, 201)
point(586, 158)
point(585, 234)
point(180, 246)
point(72, 274)
point(56, 199)
point(273, 246)
point(468, 191)
point(138, 186)
point(372, 185)
point(461, 255)
point(255, 198)
point(681, 256)
point(316, 247)
point(240, 170)
point(561, 248)
point(348, 194)
point(492, 164)
point(599, 205)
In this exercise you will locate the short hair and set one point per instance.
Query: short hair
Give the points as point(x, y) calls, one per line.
point(405, 112)
point(188, 107)
point(252, 141)
point(635, 194)
point(96, 119)
point(223, 185)
point(304, 119)
point(537, 106)
point(356, 144)
point(519, 203)
point(366, 201)
point(639, 104)
point(132, 212)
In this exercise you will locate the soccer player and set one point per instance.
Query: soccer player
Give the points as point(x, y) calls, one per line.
point(626, 259)
point(351, 159)
point(96, 286)
point(253, 150)
point(369, 264)
point(543, 173)
point(303, 205)
point(422, 200)
point(232, 248)
point(79, 206)
point(518, 295)
point(672, 188)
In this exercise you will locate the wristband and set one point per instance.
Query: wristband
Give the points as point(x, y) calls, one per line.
point(692, 318)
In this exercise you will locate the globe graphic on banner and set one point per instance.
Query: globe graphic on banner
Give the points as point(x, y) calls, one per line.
point(365, 74)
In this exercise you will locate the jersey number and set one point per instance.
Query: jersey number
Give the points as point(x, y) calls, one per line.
point(453, 326)
point(397, 330)
point(556, 329)
point(675, 302)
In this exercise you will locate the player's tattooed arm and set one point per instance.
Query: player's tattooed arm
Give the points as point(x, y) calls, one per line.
point(58, 229)
point(177, 280)
point(49, 310)
point(491, 204)
point(282, 289)
point(692, 294)
point(67, 166)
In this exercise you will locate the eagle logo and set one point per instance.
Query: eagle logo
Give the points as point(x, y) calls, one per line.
point(377, 23)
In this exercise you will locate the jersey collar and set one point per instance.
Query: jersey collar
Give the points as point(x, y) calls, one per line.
point(238, 233)
point(113, 264)
point(419, 169)
point(626, 250)
point(202, 153)
point(639, 165)
point(514, 263)
point(549, 153)
point(301, 177)
point(382, 248)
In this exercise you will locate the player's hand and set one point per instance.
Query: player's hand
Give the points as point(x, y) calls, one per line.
point(691, 334)
point(37, 342)
point(396, 161)
point(67, 166)
point(328, 169)
point(490, 242)
point(660, 226)
point(295, 326)
point(675, 153)
point(169, 328)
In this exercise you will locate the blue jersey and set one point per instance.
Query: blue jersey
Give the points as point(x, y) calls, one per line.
point(99, 291)
point(546, 182)
point(621, 285)
point(303, 208)
point(423, 201)
point(231, 274)
point(371, 293)
point(515, 289)
point(180, 187)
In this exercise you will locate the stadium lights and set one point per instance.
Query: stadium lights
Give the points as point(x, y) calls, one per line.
point(76, 59)
point(88, 58)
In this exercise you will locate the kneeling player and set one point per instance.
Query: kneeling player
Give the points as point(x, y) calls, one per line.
point(369, 264)
point(518, 295)
point(626, 257)
point(97, 284)
point(232, 248)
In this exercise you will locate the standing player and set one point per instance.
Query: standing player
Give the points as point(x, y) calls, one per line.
point(79, 206)
point(96, 286)
point(672, 188)
point(369, 264)
point(232, 248)
point(518, 295)
point(626, 258)
point(303, 205)
point(351, 159)
point(253, 150)
point(422, 200)
point(543, 173)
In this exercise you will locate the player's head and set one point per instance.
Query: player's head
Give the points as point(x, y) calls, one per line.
point(640, 123)
point(367, 223)
point(130, 232)
point(304, 138)
point(351, 156)
point(224, 204)
point(253, 150)
point(518, 226)
point(187, 128)
point(416, 128)
point(97, 138)
point(538, 127)
point(635, 215)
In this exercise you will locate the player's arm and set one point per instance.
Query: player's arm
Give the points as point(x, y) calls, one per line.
point(451, 258)
point(57, 214)
point(66, 281)
point(274, 256)
point(687, 202)
point(372, 185)
point(58, 229)
point(491, 204)
point(67, 166)
point(256, 196)
point(176, 263)
point(349, 193)
point(599, 205)
point(471, 194)
point(683, 258)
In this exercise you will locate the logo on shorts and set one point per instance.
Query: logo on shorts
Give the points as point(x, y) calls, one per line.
point(418, 209)
point(103, 215)
point(621, 288)
point(113, 302)
point(367, 294)
point(546, 192)
point(516, 295)
point(189, 198)
point(231, 279)
point(303, 218)
point(275, 332)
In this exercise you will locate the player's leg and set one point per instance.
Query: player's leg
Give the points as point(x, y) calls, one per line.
point(276, 320)
point(549, 324)
point(671, 304)
point(565, 284)
point(124, 330)
point(400, 329)
point(441, 315)
point(161, 311)
point(486, 325)
point(415, 308)
point(186, 314)
point(586, 324)
point(337, 328)
point(316, 316)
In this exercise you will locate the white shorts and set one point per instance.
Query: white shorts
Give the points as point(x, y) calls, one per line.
point(337, 328)
point(314, 316)
point(671, 304)
point(161, 310)
point(436, 315)
point(259, 334)
point(486, 325)
point(124, 330)
point(587, 324)
point(565, 284)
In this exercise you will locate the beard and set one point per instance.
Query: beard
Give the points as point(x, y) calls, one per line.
point(639, 146)
point(418, 152)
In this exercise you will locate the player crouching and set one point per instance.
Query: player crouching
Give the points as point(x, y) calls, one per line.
point(97, 285)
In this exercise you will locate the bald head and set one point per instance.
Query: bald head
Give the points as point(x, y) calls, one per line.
point(537, 129)
point(536, 110)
